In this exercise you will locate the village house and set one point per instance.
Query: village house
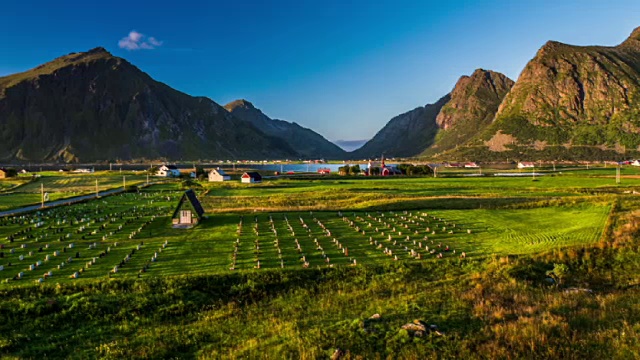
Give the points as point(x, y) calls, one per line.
point(3, 173)
point(189, 211)
point(218, 175)
point(471, 165)
point(525, 165)
point(168, 171)
point(251, 177)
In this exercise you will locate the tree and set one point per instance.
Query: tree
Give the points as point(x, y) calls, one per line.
point(344, 170)
point(152, 170)
point(355, 169)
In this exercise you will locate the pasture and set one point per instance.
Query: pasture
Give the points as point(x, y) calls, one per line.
point(89, 241)
point(22, 191)
point(296, 268)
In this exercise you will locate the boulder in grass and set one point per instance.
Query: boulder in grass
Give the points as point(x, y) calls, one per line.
point(412, 328)
point(419, 328)
point(337, 355)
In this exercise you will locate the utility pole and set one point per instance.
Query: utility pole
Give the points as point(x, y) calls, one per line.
point(42, 193)
point(618, 174)
point(435, 171)
point(147, 178)
point(97, 192)
point(124, 182)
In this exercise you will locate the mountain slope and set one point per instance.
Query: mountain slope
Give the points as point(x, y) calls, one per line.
point(571, 96)
point(306, 142)
point(473, 105)
point(93, 106)
point(405, 135)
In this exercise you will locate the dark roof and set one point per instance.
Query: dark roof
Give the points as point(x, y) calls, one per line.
point(219, 171)
point(171, 167)
point(191, 197)
point(254, 175)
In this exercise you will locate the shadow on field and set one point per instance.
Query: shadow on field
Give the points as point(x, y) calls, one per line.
point(450, 203)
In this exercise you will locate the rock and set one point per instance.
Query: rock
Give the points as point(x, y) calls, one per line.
point(338, 354)
point(575, 290)
point(414, 327)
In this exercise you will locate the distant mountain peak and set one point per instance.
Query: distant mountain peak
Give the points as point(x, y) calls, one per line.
point(634, 38)
point(98, 50)
point(93, 106)
point(240, 103)
point(306, 142)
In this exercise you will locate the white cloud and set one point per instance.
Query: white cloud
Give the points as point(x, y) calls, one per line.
point(137, 41)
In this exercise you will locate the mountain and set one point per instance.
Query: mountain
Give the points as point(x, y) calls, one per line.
point(451, 121)
point(93, 106)
point(572, 102)
point(305, 142)
point(405, 135)
point(474, 102)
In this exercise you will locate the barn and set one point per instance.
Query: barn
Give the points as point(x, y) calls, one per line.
point(251, 177)
point(188, 212)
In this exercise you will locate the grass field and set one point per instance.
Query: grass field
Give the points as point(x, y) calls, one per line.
point(296, 269)
point(59, 186)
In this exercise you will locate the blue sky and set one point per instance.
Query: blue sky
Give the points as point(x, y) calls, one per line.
point(342, 68)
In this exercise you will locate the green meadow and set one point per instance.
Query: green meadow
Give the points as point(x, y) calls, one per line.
point(326, 267)
point(26, 190)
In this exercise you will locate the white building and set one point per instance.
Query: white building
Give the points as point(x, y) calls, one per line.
point(84, 171)
point(168, 171)
point(525, 165)
point(218, 175)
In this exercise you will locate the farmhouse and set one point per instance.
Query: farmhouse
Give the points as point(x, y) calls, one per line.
point(471, 165)
point(168, 171)
point(525, 165)
point(3, 173)
point(251, 177)
point(188, 212)
point(218, 175)
point(635, 163)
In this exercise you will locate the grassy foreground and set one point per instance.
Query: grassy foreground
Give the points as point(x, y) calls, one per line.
point(546, 276)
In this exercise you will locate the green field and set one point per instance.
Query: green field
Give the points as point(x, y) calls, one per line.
point(295, 268)
point(60, 186)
